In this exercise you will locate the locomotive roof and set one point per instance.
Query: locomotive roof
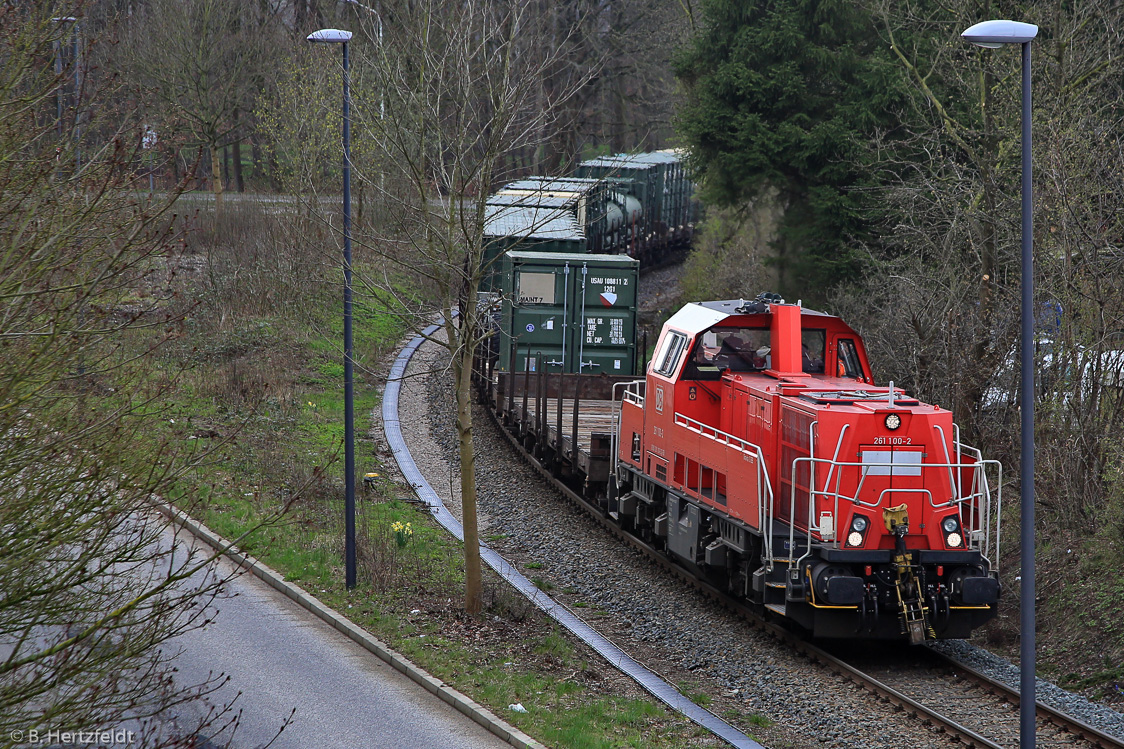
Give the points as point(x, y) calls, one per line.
point(698, 316)
point(531, 222)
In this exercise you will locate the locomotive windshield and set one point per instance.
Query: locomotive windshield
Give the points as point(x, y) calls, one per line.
point(747, 350)
point(812, 344)
point(736, 349)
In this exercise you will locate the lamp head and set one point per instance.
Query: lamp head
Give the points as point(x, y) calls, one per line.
point(330, 36)
point(994, 34)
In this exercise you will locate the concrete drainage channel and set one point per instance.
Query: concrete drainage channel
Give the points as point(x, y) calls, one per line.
point(650, 681)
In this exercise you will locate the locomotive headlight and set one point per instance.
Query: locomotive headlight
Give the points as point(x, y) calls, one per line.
point(859, 524)
point(950, 525)
point(954, 539)
point(893, 421)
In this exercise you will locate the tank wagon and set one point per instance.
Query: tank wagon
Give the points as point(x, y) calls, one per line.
point(655, 196)
point(641, 205)
point(758, 453)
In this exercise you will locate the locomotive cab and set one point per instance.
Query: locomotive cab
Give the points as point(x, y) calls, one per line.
point(759, 451)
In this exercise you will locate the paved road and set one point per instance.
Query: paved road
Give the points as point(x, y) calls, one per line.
point(279, 657)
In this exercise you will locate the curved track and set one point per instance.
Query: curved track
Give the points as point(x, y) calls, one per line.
point(646, 678)
point(937, 700)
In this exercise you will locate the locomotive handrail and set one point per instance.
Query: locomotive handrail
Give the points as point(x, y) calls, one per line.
point(892, 491)
point(952, 480)
point(956, 445)
point(637, 399)
point(835, 457)
point(812, 431)
point(978, 499)
point(764, 499)
point(984, 490)
point(713, 432)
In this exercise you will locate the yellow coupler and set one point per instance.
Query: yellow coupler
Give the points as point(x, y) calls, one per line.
point(912, 612)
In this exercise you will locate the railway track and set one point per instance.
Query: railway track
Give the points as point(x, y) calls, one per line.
point(976, 699)
point(969, 707)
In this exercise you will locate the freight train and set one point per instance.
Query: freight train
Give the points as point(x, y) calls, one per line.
point(758, 453)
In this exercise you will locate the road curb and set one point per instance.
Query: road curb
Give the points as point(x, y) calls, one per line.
point(447, 694)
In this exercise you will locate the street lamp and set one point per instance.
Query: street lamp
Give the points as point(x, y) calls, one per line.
point(336, 36)
point(995, 34)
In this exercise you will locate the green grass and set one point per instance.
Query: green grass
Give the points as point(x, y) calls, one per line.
point(694, 695)
point(555, 646)
point(561, 711)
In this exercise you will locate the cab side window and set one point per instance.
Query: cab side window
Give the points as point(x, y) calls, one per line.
point(848, 360)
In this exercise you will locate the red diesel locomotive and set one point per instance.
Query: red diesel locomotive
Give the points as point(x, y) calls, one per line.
point(759, 453)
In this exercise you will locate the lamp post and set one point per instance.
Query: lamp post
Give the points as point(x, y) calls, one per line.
point(336, 36)
point(994, 34)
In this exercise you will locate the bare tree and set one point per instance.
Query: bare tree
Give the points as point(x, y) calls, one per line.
point(200, 65)
point(945, 285)
point(90, 583)
point(621, 52)
point(457, 92)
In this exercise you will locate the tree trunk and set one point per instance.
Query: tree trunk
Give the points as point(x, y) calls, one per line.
point(462, 372)
point(274, 171)
point(216, 176)
point(257, 165)
point(239, 184)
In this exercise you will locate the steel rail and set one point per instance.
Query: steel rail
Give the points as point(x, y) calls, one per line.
point(1046, 713)
point(866, 681)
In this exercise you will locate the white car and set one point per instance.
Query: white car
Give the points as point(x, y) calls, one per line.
point(1079, 377)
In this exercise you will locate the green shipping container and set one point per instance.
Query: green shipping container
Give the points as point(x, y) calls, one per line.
point(565, 312)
